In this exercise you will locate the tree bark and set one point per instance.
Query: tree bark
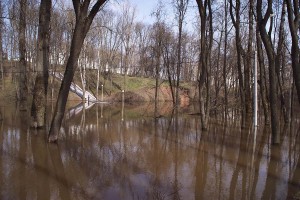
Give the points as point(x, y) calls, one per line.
point(239, 49)
point(216, 78)
point(181, 6)
point(261, 22)
point(22, 57)
point(1, 43)
point(249, 61)
point(225, 61)
point(279, 62)
point(39, 101)
point(167, 63)
point(205, 49)
point(294, 20)
point(262, 76)
point(83, 22)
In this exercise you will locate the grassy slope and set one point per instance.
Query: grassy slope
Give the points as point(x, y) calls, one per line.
point(138, 85)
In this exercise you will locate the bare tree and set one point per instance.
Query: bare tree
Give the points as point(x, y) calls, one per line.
point(39, 101)
point(262, 77)
point(235, 14)
point(266, 38)
point(180, 12)
point(249, 57)
point(125, 31)
point(157, 37)
point(205, 11)
point(279, 55)
point(84, 19)
point(22, 56)
point(225, 58)
point(293, 7)
point(1, 44)
point(169, 56)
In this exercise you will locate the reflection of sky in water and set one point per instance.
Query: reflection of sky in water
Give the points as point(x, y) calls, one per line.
point(108, 158)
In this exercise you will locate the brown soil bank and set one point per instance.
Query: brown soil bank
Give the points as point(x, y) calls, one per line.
point(148, 95)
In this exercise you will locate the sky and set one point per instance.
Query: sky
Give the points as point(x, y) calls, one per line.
point(145, 8)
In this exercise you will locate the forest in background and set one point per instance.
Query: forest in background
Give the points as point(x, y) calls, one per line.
point(217, 55)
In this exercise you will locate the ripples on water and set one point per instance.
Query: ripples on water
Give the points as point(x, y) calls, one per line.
point(109, 153)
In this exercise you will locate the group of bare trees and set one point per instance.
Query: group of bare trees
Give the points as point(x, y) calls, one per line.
point(217, 54)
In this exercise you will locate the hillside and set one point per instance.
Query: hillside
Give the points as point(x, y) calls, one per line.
point(136, 88)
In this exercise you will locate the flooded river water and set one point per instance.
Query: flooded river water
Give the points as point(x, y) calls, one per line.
point(107, 152)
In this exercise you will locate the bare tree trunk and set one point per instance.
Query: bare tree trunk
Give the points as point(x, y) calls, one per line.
point(82, 69)
point(1, 43)
point(225, 60)
point(249, 63)
point(157, 50)
point(204, 60)
point(262, 75)
point(216, 78)
point(236, 22)
point(98, 77)
point(294, 24)
point(278, 63)
point(83, 22)
point(261, 22)
point(156, 83)
point(22, 56)
point(181, 7)
point(166, 58)
point(39, 101)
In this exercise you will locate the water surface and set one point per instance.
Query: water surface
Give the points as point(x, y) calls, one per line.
point(106, 152)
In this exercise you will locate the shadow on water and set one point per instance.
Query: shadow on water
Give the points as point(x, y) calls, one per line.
point(142, 152)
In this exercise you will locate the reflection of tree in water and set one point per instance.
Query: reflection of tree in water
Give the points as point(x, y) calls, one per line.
point(20, 169)
point(294, 160)
point(1, 115)
point(201, 166)
point(59, 173)
point(270, 189)
point(219, 174)
point(40, 160)
point(149, 158)
point(176, 188)
point(258, 158)
point(243, 158)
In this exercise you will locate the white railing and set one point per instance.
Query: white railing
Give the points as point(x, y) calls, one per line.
point(75, 88)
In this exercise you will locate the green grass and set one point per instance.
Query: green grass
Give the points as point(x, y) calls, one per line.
point(133, 84)
point(7, 90)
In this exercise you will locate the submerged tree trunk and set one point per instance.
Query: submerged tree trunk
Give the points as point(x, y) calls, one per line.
point(39, 101)
point(83, 22)
point(205, 47)
point(249, 61)
point(239, 50)
point(22, 57)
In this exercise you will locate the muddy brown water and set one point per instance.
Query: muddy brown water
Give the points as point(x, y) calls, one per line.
point(106, 152)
